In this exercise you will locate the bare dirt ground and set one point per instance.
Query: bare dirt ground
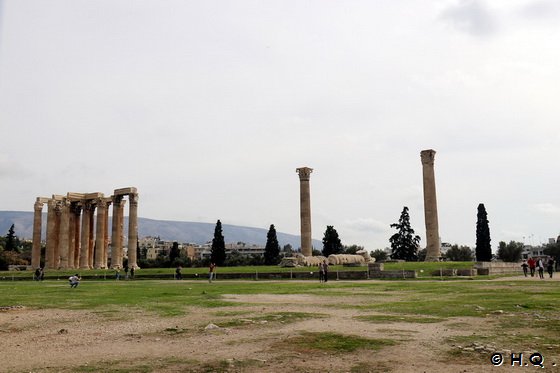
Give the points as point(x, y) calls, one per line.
point(54, 340)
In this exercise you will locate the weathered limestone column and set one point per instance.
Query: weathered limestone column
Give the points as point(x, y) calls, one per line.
point(430, 206)
point(100, 234)
point(108, 201)
point(91, 243)
point(58, 213)
point(84, 250)
point(116, 233)
point(77, 236)
point(72, 235)
point(132, 229)
point(64, 234)
point(51, 239)
point(305, 209)
point(37, 226)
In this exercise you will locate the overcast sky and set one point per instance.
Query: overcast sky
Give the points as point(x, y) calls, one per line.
point(208, 107)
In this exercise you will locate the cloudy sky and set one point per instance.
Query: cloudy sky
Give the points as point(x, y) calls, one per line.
point(208, 107)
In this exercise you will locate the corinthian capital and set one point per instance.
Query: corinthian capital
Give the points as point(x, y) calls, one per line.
point(304, 172)
point(428, 156)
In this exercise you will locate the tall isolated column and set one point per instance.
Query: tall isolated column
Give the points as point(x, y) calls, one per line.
point(132, 229)
point(430, 206)
point(91, 243)
point(305, 209)
point(77, 235)
point(37, 224)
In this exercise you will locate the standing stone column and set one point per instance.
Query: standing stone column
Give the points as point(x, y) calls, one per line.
point(91, 246)
point(84, 250)
point(132, 229)
point(58, 213)
point(430, 206)
point(77, 235)
point(72, 235)
point(108, 201)
point(64, 233)
point(305, 209)
point(37, 225)
point(116, 235)
point(51, 239)
point(100, 234)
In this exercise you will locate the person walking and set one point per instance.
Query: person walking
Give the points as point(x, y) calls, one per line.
point(37, 274)
point(325, 271)
point(126, 272)
point(212, 272)
point(178, 274)
point(532, 264)
point(540, 268)
point(131, 272)
point(550, 266)
point(525, 266)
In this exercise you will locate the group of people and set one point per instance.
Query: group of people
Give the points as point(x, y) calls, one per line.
point(211, 272)
point(537, 265)
point(323, 271)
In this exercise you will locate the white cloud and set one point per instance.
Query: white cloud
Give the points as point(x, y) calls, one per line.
point(472, 17)
point(546, 208)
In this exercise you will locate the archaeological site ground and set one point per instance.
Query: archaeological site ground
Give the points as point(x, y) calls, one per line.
point(423, 325)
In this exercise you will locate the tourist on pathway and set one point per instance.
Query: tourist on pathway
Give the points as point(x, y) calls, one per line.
point(532, 265)
point(321, 273)
point(74, 280)
point(525, 266)
point(132, 272)
point(42, 275)
point(325, 271)
point(211, 272)
point(550, 266)
point(540, 268)
point(37, 274)
point(126, 272)
point(178, 275)
point(117, 274)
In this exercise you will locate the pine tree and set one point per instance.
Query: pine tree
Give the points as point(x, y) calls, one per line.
point(404, 244)
point(483, 248)
point(272, 248)
point(218, 254)
point(331, 242)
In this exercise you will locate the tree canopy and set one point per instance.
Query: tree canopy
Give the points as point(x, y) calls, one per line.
point(331, 242)
point(483, 248)
point(404, 243)
point(510, 252)
point(272, 248)
point(459, 254)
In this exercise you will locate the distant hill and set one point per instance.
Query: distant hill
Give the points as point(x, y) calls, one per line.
point(180, 231)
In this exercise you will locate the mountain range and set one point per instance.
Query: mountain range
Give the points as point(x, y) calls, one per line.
point(167, 230)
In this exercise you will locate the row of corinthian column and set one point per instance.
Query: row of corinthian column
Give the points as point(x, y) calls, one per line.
point(75, 243)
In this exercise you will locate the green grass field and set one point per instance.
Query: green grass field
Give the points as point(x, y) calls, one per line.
point(424, 269)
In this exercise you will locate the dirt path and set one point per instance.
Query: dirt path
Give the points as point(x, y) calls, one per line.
point(57, 340)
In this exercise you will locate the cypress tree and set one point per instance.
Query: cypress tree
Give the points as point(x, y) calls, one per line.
point(218, 253)
point(272, 248)
point(483, 248)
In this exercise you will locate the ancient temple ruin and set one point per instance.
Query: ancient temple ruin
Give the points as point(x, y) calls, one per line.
point(77, 230)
